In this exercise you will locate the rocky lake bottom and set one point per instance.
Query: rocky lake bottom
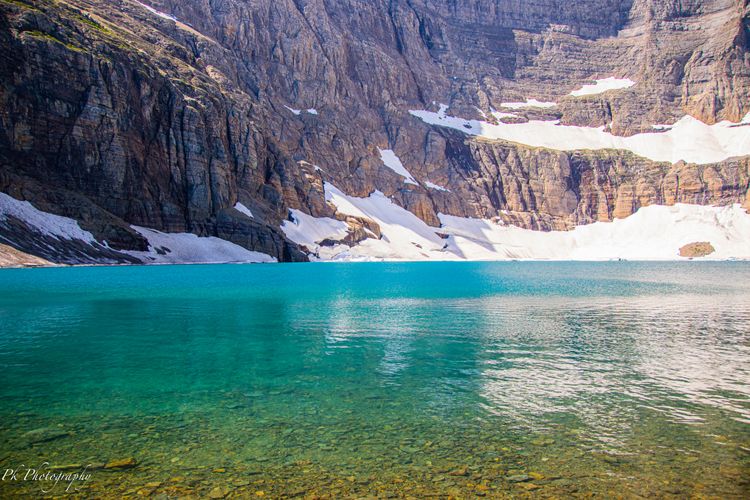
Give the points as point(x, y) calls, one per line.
point(383, 380)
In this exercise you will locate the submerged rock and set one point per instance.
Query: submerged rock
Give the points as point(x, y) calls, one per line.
point(518, 478)
point(44, 435)
point(122, 463)
point(219, 492)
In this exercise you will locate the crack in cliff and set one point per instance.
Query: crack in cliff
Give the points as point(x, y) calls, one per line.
point(401, 50)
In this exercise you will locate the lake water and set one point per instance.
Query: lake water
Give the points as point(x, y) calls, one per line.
point(382, 379)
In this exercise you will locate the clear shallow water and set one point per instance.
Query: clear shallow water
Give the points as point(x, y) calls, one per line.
point(462, 379)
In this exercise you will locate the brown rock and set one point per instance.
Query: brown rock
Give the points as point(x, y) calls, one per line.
point(697, 249)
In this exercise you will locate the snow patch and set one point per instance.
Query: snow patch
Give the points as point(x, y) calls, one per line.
point(56, 226)
point(501, 114)
point(187, 248)
point(394, 163)
point(435, 186)
point(307, 230)
point(688, 139)
point(603, 85)
point(163, 15)
point(298, 112)
point(530, 103)
point(243, 209)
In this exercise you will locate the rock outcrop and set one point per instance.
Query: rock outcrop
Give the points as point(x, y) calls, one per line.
point(165, 116)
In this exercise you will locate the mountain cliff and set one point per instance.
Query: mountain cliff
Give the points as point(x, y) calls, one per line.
point(225, 118)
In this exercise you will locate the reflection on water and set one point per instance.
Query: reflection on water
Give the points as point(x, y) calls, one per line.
point(386, 379)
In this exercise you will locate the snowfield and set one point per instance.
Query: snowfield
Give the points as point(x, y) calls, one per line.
point(652, 233)
point(689, 139)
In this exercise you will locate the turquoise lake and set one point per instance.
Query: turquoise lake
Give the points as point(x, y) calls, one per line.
point(380, 379)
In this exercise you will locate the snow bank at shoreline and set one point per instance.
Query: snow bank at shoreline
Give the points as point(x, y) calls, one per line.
point(164, 248)
point(652, 233)
point(187, 248)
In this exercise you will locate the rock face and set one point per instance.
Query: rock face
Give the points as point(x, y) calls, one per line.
point(116, 114)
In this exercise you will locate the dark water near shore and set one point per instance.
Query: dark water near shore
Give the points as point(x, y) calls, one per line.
point(355, 380)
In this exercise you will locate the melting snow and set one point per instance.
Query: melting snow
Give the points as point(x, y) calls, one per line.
point(392, 161)
point(56, 226)
point(294, 111)
point(530, 103)
point(689, 139)
point(187, 248)
point(312, 111)
point(603, 85)
point(243, 209)
point(158, 13)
